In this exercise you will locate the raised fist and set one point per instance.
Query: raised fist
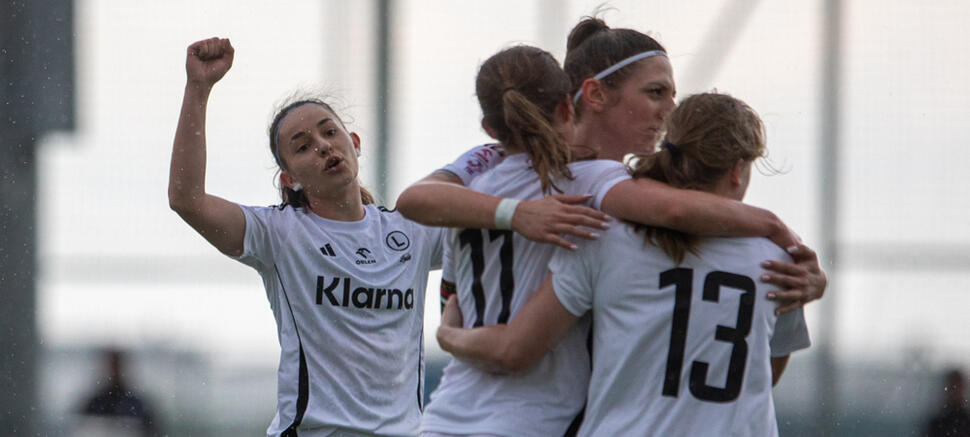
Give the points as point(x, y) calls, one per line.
point(208, 60)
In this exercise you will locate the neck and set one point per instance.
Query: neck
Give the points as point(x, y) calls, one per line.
point(346, 206)
point(725, 188)
point(588, 135)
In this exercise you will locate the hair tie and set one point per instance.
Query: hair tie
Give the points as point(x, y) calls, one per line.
point(672, 148)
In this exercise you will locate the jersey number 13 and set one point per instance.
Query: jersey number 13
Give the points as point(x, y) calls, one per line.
point(682, 280)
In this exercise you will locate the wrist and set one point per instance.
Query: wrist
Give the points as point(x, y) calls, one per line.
point(504, 213)
point(197, 88)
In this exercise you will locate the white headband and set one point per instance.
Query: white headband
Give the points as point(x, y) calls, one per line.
point(619, 65)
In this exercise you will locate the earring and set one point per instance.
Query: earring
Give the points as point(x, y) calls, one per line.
point(358, 152)
point(297, 186)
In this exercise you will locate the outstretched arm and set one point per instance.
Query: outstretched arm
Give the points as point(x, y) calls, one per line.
point(438, 201)
point(219, 221)
point(650, 202)
point(510, 348)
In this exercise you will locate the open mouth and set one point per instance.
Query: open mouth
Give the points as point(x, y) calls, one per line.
point(332, 163)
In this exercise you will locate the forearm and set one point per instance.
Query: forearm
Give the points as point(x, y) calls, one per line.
point(186, 188)
point(653, 203)
point(481, 347)
point(436, 203)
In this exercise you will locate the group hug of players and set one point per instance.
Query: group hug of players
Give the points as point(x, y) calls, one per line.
point(583, 294)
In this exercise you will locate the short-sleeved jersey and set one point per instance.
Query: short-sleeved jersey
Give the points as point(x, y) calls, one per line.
point(677, 349)
point(496, 271)
point(348, 299)
point(476, 161)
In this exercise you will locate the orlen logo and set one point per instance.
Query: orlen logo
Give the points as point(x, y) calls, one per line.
point(360, 297)
point(365, 257)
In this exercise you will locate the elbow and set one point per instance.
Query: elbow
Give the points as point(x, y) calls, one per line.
point(408, 202)
point(415, 204)
point(176, 203)
point(513, 364)
point(513, 359)
point(183, 204)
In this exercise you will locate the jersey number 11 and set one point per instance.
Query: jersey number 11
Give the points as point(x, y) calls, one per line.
point(473, 238)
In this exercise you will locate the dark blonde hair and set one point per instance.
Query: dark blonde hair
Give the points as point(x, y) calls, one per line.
point(706, 135)
point(519, 90)
point(298, 199)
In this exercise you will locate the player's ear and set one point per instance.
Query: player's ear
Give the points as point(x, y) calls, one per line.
point(594, 94)
point(565, 109)
point(356, 140)
point(488, 129)
point(287, 181)
point(738, 173)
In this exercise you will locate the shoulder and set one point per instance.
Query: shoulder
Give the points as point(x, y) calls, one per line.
point(601, 165)
point(272, 212)
point(392, 220)
point(620, 238)
point(759, 248)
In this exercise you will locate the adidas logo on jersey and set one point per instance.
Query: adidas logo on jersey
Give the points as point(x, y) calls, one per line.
point(360, 297)
point(327, 250)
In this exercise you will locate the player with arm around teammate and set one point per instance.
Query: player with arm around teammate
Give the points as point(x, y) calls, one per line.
point(622, 84)
point(345, 279)
point(525, 104)
point(684, 342)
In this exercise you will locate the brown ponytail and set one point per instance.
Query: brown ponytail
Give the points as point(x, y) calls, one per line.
point(519, 90)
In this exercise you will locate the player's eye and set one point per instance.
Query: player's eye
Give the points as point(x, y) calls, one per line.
point(331, 132)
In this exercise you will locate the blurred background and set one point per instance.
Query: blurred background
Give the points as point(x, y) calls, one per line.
point(866, 104)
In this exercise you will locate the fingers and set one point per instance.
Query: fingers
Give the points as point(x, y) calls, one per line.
point(785, 296)
point(785, 281)
point(575, 231)
point(782, 309)
point(561, 242)
point(788, 301)
point(227, 47)
point(590, 217)
point(451, 316)
point(212, 48)
point(784, 268)
point(802, 253)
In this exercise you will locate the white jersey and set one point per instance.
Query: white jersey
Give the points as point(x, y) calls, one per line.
point(348, 298)
point(476, 161)
point(678, 350)
point(496, 271)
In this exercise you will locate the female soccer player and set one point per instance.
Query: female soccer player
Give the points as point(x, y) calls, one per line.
point(345, 279)
point(623, 88)
point(525, 102)
point(684, 342)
